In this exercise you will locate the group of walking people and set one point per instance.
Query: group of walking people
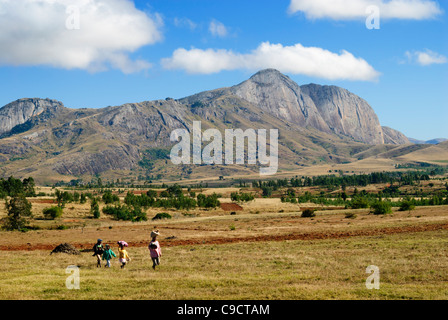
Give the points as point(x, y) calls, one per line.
point(105, 253)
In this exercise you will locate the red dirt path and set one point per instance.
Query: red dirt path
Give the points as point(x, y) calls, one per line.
point(285, 237)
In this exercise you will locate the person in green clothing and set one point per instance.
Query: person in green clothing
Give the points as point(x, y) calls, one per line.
point(107, 255)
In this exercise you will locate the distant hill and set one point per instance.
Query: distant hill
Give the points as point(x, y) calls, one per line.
point(432, 141)
point(317, 125)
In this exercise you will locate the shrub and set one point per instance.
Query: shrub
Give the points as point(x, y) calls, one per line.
point(242, 197)
point(161, 216)
point(359, 203)
point(108, 197)
point(210, 201)
point(308, 213)
point(381, 207)
point(127, 213)
point(52, 212)
point(350, 215)
point(95, 208)
point(406, 206)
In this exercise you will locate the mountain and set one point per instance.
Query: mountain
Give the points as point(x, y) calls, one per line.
point(392, 136)
point(329, 109)
point(317, 125)
point(14, 115)
point(432, 141)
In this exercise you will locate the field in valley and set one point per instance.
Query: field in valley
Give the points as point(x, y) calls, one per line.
point(264, 251)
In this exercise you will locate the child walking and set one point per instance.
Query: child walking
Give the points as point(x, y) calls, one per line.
point(107, 255)
point(123, 255)
point(154, 249)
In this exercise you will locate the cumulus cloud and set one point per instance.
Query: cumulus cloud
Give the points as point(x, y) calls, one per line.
point(425, 58)
point(218, 29)
point(297, 59)
point(92, 35)
point(356, 9)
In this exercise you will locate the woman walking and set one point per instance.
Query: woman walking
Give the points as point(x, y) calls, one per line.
point(154, 249)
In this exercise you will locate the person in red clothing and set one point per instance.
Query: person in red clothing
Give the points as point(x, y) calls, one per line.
point(154, 249)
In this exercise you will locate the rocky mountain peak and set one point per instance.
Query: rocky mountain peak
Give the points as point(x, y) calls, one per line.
point(270, 76)
point(22, 110)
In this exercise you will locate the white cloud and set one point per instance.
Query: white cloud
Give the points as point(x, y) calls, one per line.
point(297, 59)
point(356, 9)
point(425, 58)
point(218, 29)
point(185, 22)
point(35, 32)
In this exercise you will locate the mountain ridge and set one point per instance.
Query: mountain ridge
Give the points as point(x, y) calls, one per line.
point(42, 137)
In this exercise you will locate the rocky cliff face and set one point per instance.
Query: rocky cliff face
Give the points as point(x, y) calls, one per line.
point(346, 113)
point(20, 111)
point(329, 109)
point(277, 94)
point(392, 136)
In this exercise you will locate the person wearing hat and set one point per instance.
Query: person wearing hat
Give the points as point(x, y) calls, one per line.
point(154, 249)
point(98, 252)
point(123, 255)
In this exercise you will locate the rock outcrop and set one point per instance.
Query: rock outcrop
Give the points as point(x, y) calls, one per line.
point(346, 113)
point(392, 136)
point(277, 94)
point(22, 110)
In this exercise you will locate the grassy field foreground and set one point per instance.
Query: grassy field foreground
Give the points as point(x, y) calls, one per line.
point(412, 266)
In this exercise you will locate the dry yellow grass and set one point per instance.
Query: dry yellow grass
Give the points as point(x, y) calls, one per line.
point(412, 266)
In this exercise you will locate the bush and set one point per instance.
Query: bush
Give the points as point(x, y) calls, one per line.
point(242, 197)
point(161, 216)
point(407, 206)
point(52, 212)
point(109, 197)
point(127, 213)
point(308, 213)
point(359, 203)
point(95, 208)
point(381, 207)
point(350, 215)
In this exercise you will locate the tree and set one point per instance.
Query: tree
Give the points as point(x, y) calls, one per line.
point(266, 191)
point(95, 208)
point(19, 213)
point(28, 187)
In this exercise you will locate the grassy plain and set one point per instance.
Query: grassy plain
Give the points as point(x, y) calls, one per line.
point(265, 251)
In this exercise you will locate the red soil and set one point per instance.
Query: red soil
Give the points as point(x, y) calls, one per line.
point(261, 238)
point(231, 207)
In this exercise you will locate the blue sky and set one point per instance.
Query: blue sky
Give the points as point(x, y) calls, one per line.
point(144, 50)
